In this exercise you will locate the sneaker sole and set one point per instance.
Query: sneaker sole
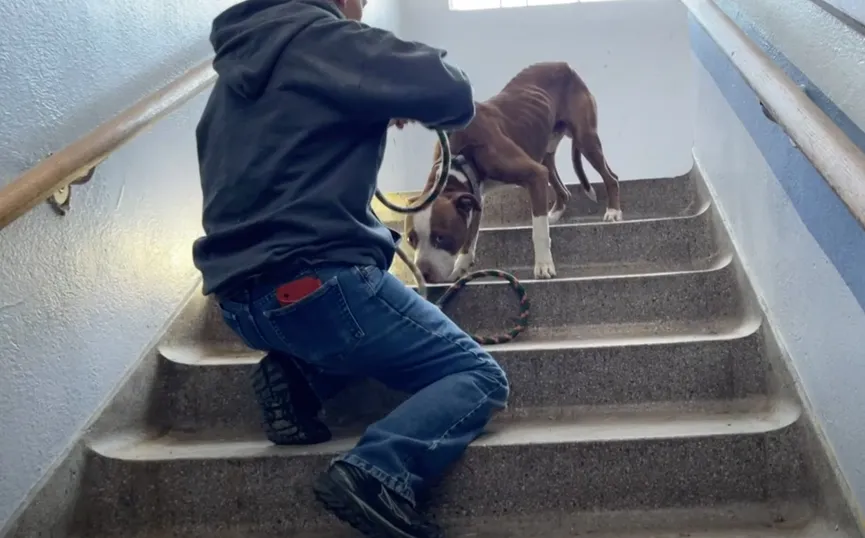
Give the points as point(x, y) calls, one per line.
point(352, 510)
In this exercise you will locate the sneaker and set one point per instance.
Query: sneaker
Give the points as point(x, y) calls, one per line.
point(289, 408)
point(364, 503)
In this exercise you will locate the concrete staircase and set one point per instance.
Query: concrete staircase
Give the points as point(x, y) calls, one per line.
point(648, 398)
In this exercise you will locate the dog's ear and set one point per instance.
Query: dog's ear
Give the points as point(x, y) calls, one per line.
point(466, 203)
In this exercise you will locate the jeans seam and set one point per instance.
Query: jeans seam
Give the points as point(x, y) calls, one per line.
point(466, 348)
point(462, 419)
point(400, 487)
point(255, 329)
point(364, 274)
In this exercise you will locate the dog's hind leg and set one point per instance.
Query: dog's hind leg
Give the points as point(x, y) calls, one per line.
point(585, 141)
point(594, 153)
point(563, 196)
point(577, 159)
point(510, 164)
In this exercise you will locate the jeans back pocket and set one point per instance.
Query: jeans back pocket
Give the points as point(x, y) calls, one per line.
point(319, 329)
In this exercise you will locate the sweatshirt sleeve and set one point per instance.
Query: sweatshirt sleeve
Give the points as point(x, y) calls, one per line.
point(373, 74)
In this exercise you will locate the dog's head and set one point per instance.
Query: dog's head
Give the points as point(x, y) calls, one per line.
point(439, 232)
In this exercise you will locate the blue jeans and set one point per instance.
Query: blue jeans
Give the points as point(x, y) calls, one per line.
point(364, 322)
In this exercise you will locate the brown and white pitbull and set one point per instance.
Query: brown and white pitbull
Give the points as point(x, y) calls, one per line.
point(512, 141)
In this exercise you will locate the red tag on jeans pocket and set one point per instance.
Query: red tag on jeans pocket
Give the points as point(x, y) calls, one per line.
point(296, 290)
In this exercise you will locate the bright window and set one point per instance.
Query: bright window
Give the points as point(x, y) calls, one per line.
point(469, 5)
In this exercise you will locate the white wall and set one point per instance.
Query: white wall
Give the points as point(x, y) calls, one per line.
point(387, 14)
point(83, 296)
point(633, 54)
point(801, 248)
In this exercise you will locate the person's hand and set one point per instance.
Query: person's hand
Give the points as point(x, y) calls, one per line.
point(398, 123)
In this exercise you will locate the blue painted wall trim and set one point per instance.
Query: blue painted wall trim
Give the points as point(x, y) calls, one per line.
point(837, 232)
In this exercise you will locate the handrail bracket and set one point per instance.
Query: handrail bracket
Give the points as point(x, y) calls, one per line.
point(62, 198)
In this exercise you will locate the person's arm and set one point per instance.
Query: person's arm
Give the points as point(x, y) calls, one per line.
point(372, 73)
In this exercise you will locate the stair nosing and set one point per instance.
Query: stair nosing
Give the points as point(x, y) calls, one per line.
point(723, 262)
point(746, 328)
point(139, 447)
point(701, 212)
point(685, 176)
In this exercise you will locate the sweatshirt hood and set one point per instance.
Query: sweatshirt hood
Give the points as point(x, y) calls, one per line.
point(249, 38)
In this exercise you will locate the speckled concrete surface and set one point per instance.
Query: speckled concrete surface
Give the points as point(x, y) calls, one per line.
point(629, 462)
point(643, 199)
point(487, 307)
point(644, 403)
point(209, 389)
point(598, 248)
point(769, 520)
point(663, 298)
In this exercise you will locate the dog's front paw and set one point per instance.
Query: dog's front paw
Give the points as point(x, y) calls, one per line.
point(613, 215)
point(462, 266)
point(545, 269)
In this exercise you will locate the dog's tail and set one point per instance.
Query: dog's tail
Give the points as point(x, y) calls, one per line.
point(577, 158)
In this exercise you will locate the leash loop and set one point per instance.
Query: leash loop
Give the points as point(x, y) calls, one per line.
point(522, 321)
point(441, 181)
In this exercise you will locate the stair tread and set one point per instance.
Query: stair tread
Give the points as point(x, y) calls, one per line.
point(692, 215)
point(524, 273)
point(211, 353)
point(804, 526)
point(591, 427)
point(719, 262)
point(644, 198)
point(793, 518)
point(817, 528)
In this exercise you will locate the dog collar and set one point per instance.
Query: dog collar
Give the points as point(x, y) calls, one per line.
point(459, 162)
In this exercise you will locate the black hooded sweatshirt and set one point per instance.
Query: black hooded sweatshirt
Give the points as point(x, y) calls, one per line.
point(293, 135)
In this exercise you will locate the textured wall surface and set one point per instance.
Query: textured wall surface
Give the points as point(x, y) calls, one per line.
point(854, 9)
point(802, 248)
point(81, 297)
point(633, 55)
point(817, 50)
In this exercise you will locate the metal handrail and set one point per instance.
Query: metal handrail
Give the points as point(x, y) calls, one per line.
point(76, 161)
point(824, 144)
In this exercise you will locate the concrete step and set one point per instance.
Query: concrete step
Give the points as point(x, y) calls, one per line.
point(521, 468)
point(207, 387)
point(753, 520)
point(641, 199)
point(600, 248)
point(657, 301)
point(775, 520)
point(488, 307)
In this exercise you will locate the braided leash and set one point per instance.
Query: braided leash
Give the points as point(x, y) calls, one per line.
point(522, 321)
point(437, 189)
